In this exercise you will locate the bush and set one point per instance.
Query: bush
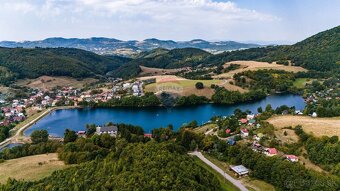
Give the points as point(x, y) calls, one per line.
point(199, 85)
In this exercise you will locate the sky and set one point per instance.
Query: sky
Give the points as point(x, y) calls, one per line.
point(271, 21)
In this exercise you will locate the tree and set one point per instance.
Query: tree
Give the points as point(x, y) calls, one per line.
point(259, 110)
point(70, 136)
point(269, 108)
point(90, 129)
point(199, 85)
point(39, 136)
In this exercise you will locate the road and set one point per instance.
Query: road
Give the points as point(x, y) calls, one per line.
point(15, 138)
point(237, 183)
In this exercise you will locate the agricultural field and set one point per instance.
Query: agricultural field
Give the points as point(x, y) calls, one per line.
point(185, 87)
point(48, 82)
point(254, 65)
point(31, 167)
point(316, 126)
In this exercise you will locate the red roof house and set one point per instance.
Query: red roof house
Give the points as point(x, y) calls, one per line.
point(243, 120)
point(292, 158)
point(271, 151)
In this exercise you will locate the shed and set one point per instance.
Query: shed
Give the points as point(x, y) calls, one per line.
point(240, 170)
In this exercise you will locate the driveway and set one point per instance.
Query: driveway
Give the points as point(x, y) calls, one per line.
point(237, 183)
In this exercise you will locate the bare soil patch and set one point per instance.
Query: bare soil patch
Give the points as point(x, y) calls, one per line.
point(254, 65)
point(316, 126)
point(49, 82)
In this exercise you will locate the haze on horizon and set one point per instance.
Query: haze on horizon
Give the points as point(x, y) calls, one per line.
point(271, 21)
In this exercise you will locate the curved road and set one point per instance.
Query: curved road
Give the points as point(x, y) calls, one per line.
point(15, 137)
point(237, 183)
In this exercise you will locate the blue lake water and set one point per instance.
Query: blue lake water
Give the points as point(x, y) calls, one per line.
point(149, 118)
point(11, 145)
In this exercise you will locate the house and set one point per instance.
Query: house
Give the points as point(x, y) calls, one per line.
point(244, 132)
point(148, 135)
point(252, 122)
point(292, 158)
point(314, 114)
point(81, 134)
point(271, 152)
point(250, 116)
point(240, 170)
point(231, 142)
point(258, 126)
point(243, 120)
point(111, 130)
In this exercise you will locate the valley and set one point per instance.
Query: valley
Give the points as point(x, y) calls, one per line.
point(172, 115)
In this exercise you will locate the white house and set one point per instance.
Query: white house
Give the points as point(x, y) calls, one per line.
point(111, 130)
point(244, 132)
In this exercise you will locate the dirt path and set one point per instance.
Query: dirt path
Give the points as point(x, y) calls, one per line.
point(237, 183)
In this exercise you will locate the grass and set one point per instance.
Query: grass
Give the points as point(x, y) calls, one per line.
point(225, 184)
point(316, 126)
point(204, 128)
point(30, 168)
point(300, 82)
point(250, 183)
point(184, 87)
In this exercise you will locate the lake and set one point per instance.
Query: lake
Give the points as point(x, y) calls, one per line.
point(149, 118)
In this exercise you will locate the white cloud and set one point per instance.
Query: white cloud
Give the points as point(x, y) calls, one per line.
point(176, 19)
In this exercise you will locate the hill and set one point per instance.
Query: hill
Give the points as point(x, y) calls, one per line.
point(113, 46)
point(32, 63)
point(150, 166)
point(175, 58)
point(320, 52)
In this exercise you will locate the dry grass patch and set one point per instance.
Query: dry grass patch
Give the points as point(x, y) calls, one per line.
point(254, 65)
point(160, 71)
point(185, 87)
point(48, 82)
point(289, 138)
point(31, 167)
point(316, 126)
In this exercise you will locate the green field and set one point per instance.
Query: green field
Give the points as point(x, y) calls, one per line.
point(225, 185)
point(185, 83)
point(300, 82)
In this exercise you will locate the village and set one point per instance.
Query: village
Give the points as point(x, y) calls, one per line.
point(13, 111)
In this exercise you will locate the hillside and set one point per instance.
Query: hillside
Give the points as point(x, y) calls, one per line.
point(113, 46)
point(320, 52)
point(175, 58)
point(150, 166)
point(32, 63)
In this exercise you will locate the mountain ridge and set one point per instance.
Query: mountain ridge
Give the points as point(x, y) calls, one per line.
point(112, 46)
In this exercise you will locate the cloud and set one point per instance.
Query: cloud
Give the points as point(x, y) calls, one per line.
point(179, 19)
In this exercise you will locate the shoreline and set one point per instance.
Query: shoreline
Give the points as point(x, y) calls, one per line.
point(20, 132)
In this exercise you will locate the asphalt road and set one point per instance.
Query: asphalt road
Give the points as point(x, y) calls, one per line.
point(219, 170)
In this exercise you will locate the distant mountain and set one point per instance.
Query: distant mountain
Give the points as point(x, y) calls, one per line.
point(111, 46)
